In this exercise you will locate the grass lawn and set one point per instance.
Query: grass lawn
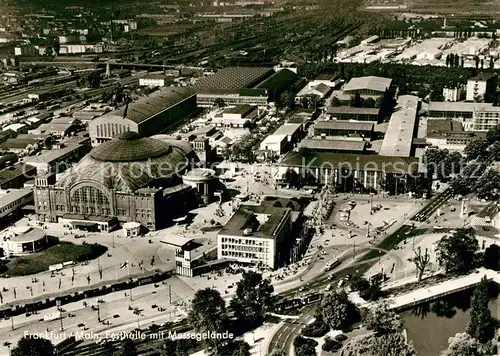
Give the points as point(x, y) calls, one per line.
point(401, 234)
point(489, 210)
point(58, 252)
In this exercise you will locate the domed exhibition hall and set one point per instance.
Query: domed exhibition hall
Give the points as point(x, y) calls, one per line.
point(127, 179)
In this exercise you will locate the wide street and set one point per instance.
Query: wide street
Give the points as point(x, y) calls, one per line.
point(343, 240)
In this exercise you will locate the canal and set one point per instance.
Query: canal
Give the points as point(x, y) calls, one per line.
point(430, 325)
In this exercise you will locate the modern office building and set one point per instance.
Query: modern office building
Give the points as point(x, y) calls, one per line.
point(126, 179)
point(147, 116)
point(473, 116)
point(256, 235)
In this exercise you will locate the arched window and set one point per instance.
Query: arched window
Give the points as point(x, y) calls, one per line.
point(89, 195)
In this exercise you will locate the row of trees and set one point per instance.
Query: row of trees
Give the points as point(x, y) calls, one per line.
point(471, 172)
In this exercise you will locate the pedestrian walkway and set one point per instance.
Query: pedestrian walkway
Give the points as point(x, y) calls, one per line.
point(444, 288)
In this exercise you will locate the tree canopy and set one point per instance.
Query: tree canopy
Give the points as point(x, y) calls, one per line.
point(481, 326)
point(338, 311)
point(491, 257)
point(462, 344)
point(392, 344)
point(31, 346)
point(488, 185)
point(127, 348)
point(458, 252)
point(381, 320)
point(252, 299)
point(208, 314)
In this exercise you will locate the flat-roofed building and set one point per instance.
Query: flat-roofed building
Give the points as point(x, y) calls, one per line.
point(473, 116)
point(354, 113)
point(401, 129)
point(23, 240)
point(57, 129)
point(237, 116)
point(147, 116)
point(154, 80)
point(452, 110)
point(256, 235)
point(337, 146)
point(485, 117)
point(277, 144)
point(449, 134)
point(283, 139)
point(18, 128)
point(333, 128)
point(184, 253)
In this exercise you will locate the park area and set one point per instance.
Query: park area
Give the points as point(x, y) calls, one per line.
point(58, 252)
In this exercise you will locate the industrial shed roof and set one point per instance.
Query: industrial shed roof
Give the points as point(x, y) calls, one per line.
point(144, 108)
point(352, 110)
point(232, 78)
point(374, 83)
point(333, 145)
point(344, 125)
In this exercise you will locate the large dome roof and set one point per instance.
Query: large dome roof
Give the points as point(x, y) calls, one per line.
point(129, 162)
point(130, 147)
